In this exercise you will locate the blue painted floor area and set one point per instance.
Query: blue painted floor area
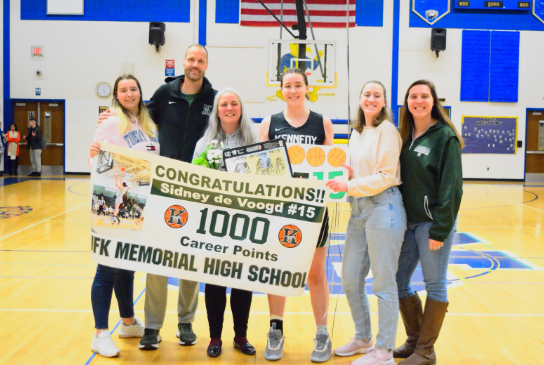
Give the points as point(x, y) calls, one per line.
point(8, 212)
point(485, 260)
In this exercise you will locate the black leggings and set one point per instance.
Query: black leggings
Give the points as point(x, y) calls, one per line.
point(13, 165)
point(216, 302)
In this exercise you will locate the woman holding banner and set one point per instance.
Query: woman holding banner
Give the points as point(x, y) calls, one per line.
point(297, 122)
point(432, 189)
point(130, 127)
point(229, 125)
point(376, 226)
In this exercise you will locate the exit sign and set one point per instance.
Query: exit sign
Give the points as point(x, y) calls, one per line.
point(37, 51)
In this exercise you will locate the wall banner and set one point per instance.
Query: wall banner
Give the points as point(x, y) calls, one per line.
point(496, 135)
point(250, 232)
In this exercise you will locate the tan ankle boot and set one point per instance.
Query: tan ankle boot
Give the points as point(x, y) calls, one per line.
point(433, 317)
point(412, 315)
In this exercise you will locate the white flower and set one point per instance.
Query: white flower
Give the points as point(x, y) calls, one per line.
point(214, 155)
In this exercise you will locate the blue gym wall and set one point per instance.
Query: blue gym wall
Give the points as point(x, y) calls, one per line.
point(390, 43)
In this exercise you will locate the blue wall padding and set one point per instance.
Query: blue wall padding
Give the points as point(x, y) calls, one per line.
point(482, 19)
point(369, 13)
point(475, 65)
point(539, 9)
point(227, 11)
point(504, 70)
point(490, 66)
point(176, 11)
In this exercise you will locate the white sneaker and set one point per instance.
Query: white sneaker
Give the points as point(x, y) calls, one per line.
point(134, 330)
point(355, 346)
point(104, 346)
point(376, 357)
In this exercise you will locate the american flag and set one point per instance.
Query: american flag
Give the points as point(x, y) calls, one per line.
point(323, 13)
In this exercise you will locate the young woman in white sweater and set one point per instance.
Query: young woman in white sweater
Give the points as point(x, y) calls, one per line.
point(376, 226)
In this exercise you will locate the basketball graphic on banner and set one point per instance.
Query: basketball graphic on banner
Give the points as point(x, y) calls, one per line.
point(296, 155)
point(315, 156)
point(336, 157)
point(290, 236)
point(176, 216)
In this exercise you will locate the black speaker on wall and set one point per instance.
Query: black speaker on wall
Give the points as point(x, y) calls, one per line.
point(156, 34)
point(438, 40)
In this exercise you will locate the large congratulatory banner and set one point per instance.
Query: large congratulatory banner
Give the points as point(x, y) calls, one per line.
point(176, 219)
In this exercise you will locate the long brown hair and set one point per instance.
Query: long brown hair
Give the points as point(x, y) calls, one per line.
point(143, 117)
point(437, 113)
point(385, 114)
point(296, 71)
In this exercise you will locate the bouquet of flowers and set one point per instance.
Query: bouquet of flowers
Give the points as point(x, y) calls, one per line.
point(212, 156)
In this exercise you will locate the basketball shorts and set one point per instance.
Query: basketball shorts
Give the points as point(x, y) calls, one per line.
point(323, 240)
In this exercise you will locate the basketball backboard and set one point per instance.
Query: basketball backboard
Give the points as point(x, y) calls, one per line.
point(319, 61)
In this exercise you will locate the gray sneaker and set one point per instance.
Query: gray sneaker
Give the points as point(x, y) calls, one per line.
point(322, 348)
point(186, 335)
point(274, 345)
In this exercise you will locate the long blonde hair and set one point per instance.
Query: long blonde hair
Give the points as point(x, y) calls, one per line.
point(437, 113)
point(143, 117)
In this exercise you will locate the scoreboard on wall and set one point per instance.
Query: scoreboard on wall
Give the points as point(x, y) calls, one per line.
point(493, 5)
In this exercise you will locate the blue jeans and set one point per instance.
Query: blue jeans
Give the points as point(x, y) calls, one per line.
point(434, 264)
point(105, 281)
point(373, 240)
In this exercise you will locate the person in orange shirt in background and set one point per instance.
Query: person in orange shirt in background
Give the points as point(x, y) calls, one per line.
point(13, 137)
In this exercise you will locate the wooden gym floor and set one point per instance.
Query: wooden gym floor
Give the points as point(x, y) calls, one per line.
point(496, 290)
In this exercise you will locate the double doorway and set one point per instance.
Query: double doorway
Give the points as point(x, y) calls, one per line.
point(50, 117)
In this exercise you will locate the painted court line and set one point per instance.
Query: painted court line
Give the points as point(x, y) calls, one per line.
point(268, 313)
point(43, 264)
point(47, 277)
point(43, 251)
point(45, 220)
point(523, 204)
point(114, 328)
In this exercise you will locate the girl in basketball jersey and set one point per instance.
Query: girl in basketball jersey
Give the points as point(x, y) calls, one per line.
point(376, 226)
point(101, 204)
point(130, 127)
point(297, 124)
point(120, 196)
point(432, 187)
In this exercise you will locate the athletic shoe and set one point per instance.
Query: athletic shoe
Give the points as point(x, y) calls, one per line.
point(376, 357)
point(104, 346)
point(322, 348)
point(186, 335)
point(355, 346)
point(274, 345)
point(133, 330)
point(151, 339)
